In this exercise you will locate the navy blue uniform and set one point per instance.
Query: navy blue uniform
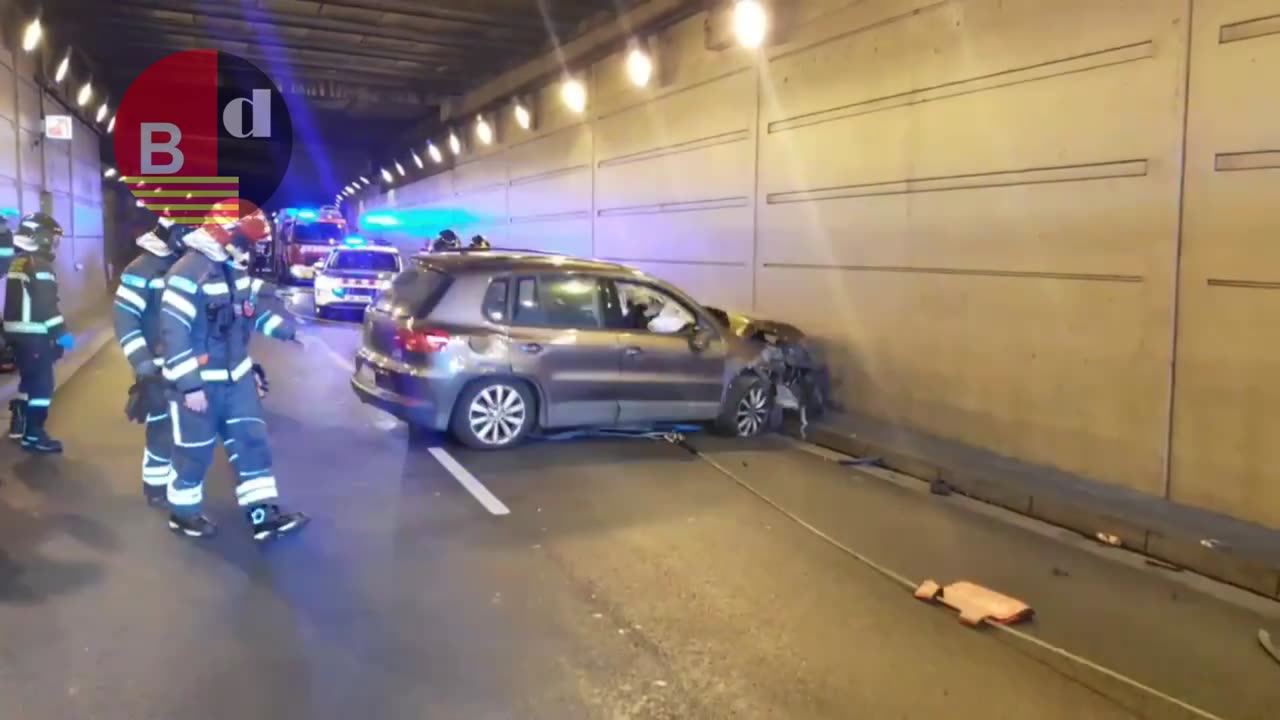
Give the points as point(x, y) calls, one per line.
point(137, 318)
point(33, 325)
point(210, 311)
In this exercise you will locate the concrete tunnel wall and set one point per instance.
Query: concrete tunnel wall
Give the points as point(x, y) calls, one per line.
point(70, 172)
point(984, 209)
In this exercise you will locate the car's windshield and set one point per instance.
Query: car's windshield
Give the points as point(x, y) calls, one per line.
point(364, 260)
point(318, 232)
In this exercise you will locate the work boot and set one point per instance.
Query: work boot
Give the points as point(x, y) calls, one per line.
point(17, 418)
point(41, 443)
point(156, 495)
point(269, 523)
point(196, 526)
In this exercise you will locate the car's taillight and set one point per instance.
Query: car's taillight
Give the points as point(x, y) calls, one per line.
point(421, 341)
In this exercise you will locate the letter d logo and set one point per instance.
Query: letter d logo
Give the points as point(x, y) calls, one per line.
point(198, 127)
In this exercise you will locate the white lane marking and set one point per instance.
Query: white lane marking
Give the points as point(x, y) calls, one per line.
point(338, 358)
point(469, 481)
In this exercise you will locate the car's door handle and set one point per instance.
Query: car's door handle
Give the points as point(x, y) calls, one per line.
point(632, 351)
point(531, 348)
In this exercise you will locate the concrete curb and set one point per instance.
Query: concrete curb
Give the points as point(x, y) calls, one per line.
point(1250, 571)
point(97, 333)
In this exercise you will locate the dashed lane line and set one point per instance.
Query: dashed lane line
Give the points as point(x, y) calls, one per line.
point(469, 482)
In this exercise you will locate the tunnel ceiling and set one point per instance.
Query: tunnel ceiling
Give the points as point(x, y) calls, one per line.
point(383, 64)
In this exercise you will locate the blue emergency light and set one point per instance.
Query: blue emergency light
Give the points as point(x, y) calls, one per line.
point(354, 241)
point(307, 214)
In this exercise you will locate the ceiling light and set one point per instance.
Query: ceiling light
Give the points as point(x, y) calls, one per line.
point(111, 126)
point(639, 67)
point(110, 173)
point(417, 159)
point(434, 152)
point(750, 23)
point(364, 180)
point(31, 36)
point(102, 112)
point(399, 168)
point(86, 92)
point(523, 119)
point(62, 68)
point(455, 144)
point(139, 203)
point(387, 175)
point(574, 95)
point(483, 130)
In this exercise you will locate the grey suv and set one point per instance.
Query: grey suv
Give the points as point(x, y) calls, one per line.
point(493, 346)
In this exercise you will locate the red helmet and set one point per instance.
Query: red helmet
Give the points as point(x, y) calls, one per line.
point(236, 225)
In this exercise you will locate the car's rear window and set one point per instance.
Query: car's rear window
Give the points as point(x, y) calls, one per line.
point(364, 260)
point(413, 293)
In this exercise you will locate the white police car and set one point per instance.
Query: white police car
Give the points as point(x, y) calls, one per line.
point(353, 274)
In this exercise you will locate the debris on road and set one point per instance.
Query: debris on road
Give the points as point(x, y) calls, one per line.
point(1109, 539)
point(1059, 572)
point(975, 603)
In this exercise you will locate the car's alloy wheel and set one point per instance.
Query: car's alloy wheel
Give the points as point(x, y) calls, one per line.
point(753, 411)
point(497, 415)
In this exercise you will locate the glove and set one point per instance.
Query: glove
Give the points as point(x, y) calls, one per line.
point(66, 341)
point(147, 396)
point(135, 408)
point(260, 379)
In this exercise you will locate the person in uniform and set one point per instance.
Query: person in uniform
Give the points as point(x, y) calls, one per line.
point(137, 319)
point(34, 326)
point(210, 309)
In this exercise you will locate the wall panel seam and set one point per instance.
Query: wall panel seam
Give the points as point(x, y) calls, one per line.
point(1006, 78)
point(676, 207)
point(548, 175)
point(1248, 29)
point(678, 148)
point(971, 272)
point(668, 261)
point(968, 181)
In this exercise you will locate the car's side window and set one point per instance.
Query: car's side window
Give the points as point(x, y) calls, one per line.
point(644, 308)
point(495, 301)
point(557, 301)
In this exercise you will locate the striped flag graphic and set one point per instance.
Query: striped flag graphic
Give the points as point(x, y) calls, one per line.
point(186, 200)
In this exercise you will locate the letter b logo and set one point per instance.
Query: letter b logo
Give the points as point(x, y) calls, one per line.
point(198, 127)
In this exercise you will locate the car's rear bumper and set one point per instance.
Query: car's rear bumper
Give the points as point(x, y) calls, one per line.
point(419, 400)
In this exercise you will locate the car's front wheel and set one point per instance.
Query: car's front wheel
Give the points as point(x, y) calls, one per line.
point(494, 414)
point(748, 408)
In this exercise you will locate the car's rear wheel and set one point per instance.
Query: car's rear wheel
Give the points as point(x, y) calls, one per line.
point(748, 408)
point(494, 414)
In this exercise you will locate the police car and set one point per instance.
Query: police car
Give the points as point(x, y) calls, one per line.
point(352, 274)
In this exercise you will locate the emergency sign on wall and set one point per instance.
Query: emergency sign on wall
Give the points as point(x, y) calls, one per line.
point(57, 127)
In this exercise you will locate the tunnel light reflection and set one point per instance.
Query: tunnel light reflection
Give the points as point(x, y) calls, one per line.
point(750, 23)
point(63, 66)
point(639, 67)
point(31, 36)
point(523, 118)
point(574, 95)
point(484, 131)
point(455, 145)
point(86, 92)
point(434, 152)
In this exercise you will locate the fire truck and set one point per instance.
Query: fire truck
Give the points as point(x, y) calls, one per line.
point(304, 236)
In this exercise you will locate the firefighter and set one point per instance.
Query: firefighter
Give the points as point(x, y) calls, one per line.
point(35, 327)
point(210, 309)
point(137, 320)
point(6, 257)
point(479, 242)
point(448, 240)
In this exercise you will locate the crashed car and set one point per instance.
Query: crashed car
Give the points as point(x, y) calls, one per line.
point(497, 346)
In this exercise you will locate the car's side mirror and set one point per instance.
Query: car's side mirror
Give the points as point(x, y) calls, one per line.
point(699, 338)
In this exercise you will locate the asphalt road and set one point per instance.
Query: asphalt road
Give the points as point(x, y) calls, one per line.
point(627, 578)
